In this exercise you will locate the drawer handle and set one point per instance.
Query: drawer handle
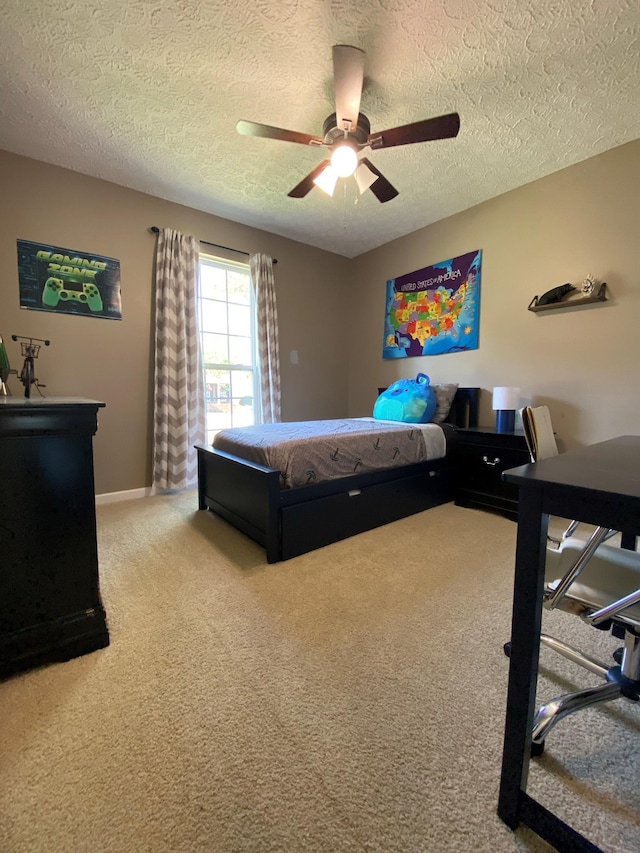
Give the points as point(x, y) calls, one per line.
point(485, 459)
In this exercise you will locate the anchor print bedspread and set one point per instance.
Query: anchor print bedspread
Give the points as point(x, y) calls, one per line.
point(307, 452)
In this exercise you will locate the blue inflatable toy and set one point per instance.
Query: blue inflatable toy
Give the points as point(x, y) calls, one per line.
point(412, 401)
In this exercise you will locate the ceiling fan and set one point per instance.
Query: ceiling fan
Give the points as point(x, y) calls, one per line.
point(347, 132)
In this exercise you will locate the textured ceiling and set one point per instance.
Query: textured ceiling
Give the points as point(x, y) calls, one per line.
point(146, 93)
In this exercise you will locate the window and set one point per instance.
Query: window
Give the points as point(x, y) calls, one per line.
point(227, 327)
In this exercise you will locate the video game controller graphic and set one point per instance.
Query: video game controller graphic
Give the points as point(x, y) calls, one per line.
point(54, 291)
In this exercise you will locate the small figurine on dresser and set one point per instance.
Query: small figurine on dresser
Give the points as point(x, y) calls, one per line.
point(5, 368)
point(30, 352)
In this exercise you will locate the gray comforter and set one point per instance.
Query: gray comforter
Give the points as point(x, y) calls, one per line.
point(312, 451)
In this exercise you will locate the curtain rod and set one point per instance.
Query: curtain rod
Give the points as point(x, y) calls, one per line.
point(156, 230)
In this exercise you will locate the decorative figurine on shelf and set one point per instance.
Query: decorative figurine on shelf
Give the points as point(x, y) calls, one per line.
point(30, 352)
point(556, 294)
point(589, 287)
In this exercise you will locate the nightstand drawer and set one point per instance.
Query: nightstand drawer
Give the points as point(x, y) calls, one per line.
point(480, 468)
point(481, 455)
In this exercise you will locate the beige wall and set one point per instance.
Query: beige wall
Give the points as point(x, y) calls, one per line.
point(112, 360)
point(582, 362)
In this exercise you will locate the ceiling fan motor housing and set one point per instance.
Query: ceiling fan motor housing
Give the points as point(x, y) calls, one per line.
point(333, 134)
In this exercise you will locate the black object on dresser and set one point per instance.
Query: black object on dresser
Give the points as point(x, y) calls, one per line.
point(50, 606)
point(481, 455)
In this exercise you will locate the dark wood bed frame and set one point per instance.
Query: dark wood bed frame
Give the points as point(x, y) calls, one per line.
point(290, 522)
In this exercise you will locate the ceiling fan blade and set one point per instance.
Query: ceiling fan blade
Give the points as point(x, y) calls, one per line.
point(348, 77)
point(440, 127)
point(252, 128)
point(382, 189)
point(306, 184)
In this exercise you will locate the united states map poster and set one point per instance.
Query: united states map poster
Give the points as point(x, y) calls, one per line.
point(434, 310)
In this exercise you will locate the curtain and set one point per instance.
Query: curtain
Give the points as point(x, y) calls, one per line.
point(268, 350)
point(179, 396)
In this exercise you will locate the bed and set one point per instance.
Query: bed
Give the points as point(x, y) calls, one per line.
point(290, 521)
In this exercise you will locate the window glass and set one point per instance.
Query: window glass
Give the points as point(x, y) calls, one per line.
point(243, 414)
point(215, 349)
point(239, 320)
point(214, 316)
point(239, 350)
point(227, 327)
point(213, 282)
point(239, 286)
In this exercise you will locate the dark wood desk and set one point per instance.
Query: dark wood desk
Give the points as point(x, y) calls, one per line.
point(599, 485)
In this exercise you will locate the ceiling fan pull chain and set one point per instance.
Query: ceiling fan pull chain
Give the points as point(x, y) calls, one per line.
point(344, 205)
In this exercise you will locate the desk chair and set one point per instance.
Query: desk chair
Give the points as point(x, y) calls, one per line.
point(610, 576)
point(601, 584)
point(541, 442)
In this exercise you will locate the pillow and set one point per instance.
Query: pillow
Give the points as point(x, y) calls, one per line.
point(412, 401)
point(444, 399)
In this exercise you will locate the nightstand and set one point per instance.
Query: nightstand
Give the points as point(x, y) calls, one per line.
point(481, 455)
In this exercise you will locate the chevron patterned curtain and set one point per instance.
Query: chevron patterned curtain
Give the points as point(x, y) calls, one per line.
point(268, 350)
point(179, 407)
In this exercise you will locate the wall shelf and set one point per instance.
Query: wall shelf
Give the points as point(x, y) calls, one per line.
point(599, 296)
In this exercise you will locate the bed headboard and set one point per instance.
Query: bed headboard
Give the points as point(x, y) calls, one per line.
point(464, 409)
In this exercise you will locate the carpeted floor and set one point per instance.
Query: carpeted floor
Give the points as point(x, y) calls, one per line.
point(351, 699)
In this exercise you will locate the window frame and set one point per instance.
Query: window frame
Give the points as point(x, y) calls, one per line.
point(207, 259)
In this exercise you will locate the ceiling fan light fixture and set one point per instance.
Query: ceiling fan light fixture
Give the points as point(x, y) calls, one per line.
point(347, 131)
point(364, 177)
point(327, 180)
point(344, 160)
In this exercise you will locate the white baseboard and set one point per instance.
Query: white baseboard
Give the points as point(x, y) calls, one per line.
point(130, 494)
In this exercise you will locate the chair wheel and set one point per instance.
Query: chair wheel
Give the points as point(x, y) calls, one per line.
point(617, 655)
point(507, 649)
point(537, 748)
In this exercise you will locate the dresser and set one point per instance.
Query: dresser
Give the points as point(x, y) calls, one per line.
point(50, 605)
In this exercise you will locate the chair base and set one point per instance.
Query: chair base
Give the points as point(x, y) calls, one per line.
point(575, 655)
point(552, 712)
point(621, 681)
point(618, 683)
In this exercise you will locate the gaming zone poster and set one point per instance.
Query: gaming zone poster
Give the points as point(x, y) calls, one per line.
point(434, 310)
point(68, 282)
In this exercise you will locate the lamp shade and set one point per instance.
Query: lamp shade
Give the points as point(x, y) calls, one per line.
point(506, 398)
point(327, 180)
point(364, 177)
